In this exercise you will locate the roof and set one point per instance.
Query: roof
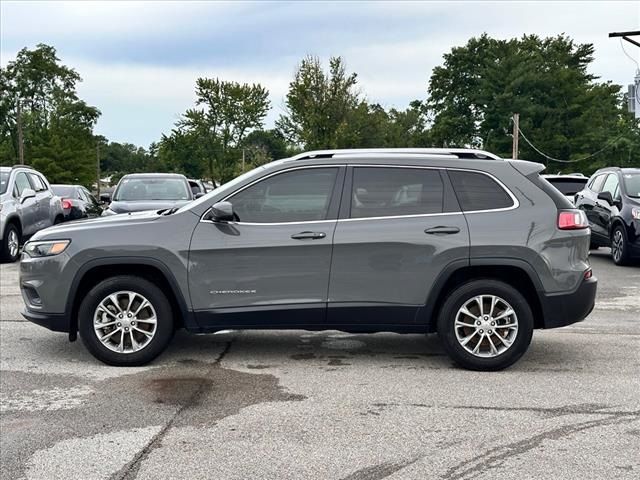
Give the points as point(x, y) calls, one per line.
point(466, 153)
point(154, 175)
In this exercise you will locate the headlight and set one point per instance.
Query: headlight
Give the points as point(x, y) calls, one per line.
point(635, 213)
point(47, 248)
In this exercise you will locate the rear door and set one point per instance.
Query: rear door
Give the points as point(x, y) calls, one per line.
point(399, 228)
point(271, 266)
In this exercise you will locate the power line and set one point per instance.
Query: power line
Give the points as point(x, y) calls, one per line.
point(629, 56)
point(553, 159)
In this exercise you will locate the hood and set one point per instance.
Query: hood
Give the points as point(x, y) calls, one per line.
point(64, 229)
point(142, 205)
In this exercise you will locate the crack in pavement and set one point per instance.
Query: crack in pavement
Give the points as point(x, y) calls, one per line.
point(131, 469)
point(495, 457)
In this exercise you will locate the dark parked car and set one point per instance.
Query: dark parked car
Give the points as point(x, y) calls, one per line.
point(568, 185)
point(611, 201)
point(148, 191)
point(480, 249)
point(77, 202)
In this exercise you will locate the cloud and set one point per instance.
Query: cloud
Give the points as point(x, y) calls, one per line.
point(140, 60)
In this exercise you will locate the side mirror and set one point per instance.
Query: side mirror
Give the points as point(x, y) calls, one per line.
point(27, 193)
point(606, 196)
point(105, 197)
point(198, 195)
point(222, 211)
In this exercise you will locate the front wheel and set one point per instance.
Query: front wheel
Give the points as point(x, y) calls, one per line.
point(10, 244)
point(619, 247)
point(125, 321)
point(485, 325)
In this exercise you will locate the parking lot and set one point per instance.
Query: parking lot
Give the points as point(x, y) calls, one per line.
point(242, 405)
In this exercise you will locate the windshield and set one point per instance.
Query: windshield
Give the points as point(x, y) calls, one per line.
point(229, 185)
point(4, 181)
point(154, 188)
point(632, 184)
point(63, 191)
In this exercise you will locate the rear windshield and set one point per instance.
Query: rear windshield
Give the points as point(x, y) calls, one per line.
point(136, 189)
point(632, 184)
point(4, 181)
point(63, 191)
point(568, 186)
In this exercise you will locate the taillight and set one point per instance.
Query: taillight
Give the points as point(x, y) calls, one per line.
point(66, 203)
point(572, 220)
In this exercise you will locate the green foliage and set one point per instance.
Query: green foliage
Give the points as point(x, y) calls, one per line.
point(563, 110)
point(319, 105)
point(209, 138)
point(57, 126)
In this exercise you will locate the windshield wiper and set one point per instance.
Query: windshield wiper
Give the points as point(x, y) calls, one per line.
point(169, 211)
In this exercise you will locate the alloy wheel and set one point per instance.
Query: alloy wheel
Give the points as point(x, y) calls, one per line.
point(617, 245)
point(486, 326)
point(125, 322)
point(13, 244)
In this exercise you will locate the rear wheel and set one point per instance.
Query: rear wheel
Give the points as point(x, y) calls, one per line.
point(485, 325)
point(125, 321)
point(10, 244)
point(619, 247)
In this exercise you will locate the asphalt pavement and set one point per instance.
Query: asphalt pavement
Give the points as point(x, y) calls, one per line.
point(327, 405)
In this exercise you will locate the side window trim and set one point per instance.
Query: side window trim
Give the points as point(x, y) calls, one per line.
point(334, 201)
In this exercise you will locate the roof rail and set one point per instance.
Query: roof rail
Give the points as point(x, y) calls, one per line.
point(23, 166)
point(458, 152)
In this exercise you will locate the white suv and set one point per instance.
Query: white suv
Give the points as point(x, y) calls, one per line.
point(27, 205)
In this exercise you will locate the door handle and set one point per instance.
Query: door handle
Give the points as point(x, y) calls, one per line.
point(442, 230)
point(308, 235)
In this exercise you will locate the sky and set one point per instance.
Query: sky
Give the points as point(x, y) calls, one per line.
point(139, 60)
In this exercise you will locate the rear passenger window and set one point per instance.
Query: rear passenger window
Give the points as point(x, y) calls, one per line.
point(477, 191)
point(38, 184)
point(386, 191)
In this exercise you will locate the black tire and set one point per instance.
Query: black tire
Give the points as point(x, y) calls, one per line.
point(11, 231)
point(458, 297)
point(164, 326)
point(620, 257)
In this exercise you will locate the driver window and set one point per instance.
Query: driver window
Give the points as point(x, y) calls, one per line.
point(295, 196)
point(22, 183)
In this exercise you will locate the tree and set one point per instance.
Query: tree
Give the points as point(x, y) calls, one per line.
point(319, 105)
point(209, 137)
point(563, 110)
point(41, 113)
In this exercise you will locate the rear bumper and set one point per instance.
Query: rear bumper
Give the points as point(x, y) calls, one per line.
point(57, 322)
point(564, 309)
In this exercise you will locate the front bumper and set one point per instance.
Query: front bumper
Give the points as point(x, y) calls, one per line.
point(564, 309)
point(57, 322)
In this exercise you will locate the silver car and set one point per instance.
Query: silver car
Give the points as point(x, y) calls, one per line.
point(27, 205)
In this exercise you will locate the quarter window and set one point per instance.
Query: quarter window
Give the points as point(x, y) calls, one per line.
point(387, 191)
point(38, 184)
point(22, 183)
point(611, 184)
point(295, 196)
point(596, 184)
point(477, 191)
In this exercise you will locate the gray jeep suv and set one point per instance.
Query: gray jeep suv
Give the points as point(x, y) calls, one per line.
point(27, 204)
point(481, 250)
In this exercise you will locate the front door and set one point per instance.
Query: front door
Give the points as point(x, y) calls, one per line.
point(400, 232)
point(603, 211)
point(271, 266)
point(28, 208)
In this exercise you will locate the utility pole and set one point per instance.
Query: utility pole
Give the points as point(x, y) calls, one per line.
point(243, 159)
point(98, 168)
point(516, 134)
point(20, 134)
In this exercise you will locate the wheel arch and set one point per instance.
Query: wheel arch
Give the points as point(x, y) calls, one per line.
point(514, 272)
point(14, 220)
point(151, 269)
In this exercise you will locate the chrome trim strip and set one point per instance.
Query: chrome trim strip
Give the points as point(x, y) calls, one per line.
point(516, 202)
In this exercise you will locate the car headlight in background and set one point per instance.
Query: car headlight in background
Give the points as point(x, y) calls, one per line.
point(46, 248)
point(635, 213)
